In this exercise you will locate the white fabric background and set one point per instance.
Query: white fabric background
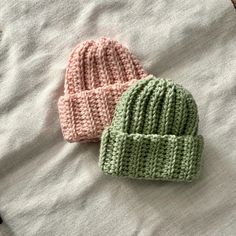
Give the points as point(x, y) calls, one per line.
point(50, 187)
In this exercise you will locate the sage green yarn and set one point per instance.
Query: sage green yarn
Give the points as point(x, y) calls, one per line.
point(153, 134)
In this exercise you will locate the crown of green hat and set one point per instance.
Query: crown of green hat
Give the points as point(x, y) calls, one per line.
point(153, 134)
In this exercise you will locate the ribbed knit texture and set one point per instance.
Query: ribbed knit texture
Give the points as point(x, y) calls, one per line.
point(153, 134)
point(98, 73)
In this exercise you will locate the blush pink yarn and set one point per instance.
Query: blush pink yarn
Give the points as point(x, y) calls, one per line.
point(97, 74)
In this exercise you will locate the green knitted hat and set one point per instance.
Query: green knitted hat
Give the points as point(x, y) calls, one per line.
point(153, 134)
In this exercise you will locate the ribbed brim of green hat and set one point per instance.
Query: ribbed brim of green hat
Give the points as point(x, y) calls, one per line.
point(155, 157)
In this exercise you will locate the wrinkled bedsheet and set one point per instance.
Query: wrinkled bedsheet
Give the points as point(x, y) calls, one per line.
point(51, 187)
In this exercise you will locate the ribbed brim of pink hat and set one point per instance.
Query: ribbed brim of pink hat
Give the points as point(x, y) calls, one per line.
point(84, 115)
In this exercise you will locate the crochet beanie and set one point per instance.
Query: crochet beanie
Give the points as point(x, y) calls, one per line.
point(97, 74)
point(153, 134)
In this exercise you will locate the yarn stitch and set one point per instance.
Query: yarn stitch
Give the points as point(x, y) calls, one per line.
point(153, 134)
point(96, 76)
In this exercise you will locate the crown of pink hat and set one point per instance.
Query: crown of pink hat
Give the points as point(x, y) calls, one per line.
point(97, 74)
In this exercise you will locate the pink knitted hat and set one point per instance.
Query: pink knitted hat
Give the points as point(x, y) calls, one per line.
point(96, 76)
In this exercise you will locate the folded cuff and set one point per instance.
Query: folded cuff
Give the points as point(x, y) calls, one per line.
point(83, 116)
point(156, 157)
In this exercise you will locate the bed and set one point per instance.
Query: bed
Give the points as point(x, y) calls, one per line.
point(51, 187)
